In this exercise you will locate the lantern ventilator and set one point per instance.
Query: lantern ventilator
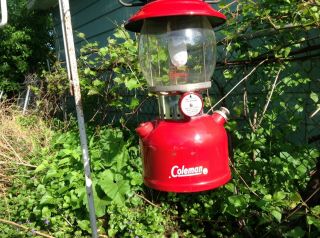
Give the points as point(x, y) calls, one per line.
point(184, 150)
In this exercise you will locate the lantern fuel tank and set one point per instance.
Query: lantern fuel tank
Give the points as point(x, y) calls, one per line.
point(185, 156)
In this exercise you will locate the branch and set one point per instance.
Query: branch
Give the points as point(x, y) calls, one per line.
point(246, 108)
point(135, 110)
point(315, 112)
point(148, 201)
point(17, 163)
point(267, 32)
point(12, 149)
point(242, 179)
point(228, 5)
point(303, 203)
point(234, 87)
point(268, 100)
point(24, 228)
point(271, 57)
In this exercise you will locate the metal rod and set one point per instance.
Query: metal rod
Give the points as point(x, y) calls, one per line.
point(26, 101)
point(71, 55)
point(4, 13)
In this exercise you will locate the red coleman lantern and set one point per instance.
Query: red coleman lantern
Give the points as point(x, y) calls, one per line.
point(184, 150)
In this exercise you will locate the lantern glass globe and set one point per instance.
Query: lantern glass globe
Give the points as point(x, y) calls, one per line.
point(177, 50)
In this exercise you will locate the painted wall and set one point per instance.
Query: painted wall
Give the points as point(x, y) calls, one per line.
point(97, 19)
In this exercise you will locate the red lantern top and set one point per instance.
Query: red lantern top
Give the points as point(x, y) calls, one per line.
point(165, 8)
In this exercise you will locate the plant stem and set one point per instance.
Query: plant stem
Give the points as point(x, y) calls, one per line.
point(24, 228)
point(235, 86)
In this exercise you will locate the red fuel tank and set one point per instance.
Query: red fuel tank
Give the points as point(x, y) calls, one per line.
point(185, 156)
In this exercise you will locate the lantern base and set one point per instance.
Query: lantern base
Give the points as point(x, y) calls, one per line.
point(185, 156)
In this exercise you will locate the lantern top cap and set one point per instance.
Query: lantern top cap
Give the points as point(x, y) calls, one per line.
point(167, 8)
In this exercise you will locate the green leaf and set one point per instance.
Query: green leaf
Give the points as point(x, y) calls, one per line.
point(47, 199)
point(295, 199)
point(312, 220)
point(114, 189)
point(227, 74)
point(230, 187)
point(301, 170)
point(52, 173)
point(98, 83)
point(87, 70)
point(64, 161)
point(99, 204)
point(278, 196)
point(103, 51)
point(287, 51)
point(121, 158)
point(81, 35)
point(84, 225)
point(174, 235)
point(93, 91)
point(238, 200)
point(134, 103)
point(42, 166)
point(316, 210)
point(136, 178)
point(267, 197)
point(121, 34)
point(314, 97)
point(46, 212)
point(297, 232)
point(276, 215)
point(131, 84)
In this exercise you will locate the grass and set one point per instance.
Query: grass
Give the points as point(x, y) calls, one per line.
point(21, 137)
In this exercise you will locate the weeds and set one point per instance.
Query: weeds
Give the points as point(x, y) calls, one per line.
point(20, 138)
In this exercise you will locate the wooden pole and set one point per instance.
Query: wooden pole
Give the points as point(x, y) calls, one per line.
point(74, 77)
point(4, 13)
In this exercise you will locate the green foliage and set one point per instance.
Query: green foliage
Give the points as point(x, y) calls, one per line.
point(25, 44)
point(54, 200)
point(271, 162)
point(110, 78)
point(111, 72)
point(52, 197)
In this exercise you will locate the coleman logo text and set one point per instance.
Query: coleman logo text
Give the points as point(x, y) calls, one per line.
point(176, 171)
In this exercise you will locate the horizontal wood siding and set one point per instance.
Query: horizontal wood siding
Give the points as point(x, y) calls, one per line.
point(97, 19)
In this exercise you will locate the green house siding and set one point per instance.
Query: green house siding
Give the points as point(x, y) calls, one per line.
point(97, 19)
